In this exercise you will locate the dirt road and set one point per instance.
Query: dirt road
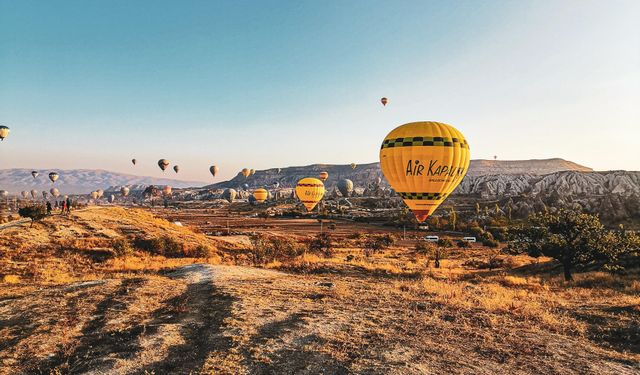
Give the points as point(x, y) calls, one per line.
point(236, 320)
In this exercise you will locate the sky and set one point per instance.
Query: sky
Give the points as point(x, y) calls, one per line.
point(262, 84)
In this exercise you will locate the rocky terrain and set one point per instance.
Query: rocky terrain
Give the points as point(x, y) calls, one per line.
point(79, 181)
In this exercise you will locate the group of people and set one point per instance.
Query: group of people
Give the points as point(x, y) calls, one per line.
point(64, 206)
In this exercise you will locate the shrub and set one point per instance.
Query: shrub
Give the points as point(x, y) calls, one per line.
point(202, 251)
point(165, 246)
point(490, 242)
point(463, 244)
point(445, 242)
point(424, 247)
point(377, 243)
point(35, 213)
point(121, 247)
point(322, 243)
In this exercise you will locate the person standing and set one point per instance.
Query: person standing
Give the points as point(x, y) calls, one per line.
point(68, 204)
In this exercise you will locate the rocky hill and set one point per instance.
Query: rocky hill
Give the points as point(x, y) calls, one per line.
point(79, 181)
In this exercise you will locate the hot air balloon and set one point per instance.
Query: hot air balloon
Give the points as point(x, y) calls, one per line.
point(94, 195)
point(279, 170)
point(65, 197)
point(34, 193)
point(260, 195)
point(4, 132)
point(167, 190)
point(163, 164)
point(345, 187)
point(100, 193)
point(53, 176)
point(495, 157)
point(245, 172)
point(55, 192)
point(384, 101)
point(276, 184)
point(25, 194)
point(45, 194)
point(245, 187)
point(378, 180)
point(176, 168)
point(310, 191)
point(229, 194)
point(252, 172)
point(424, 162)
point(34, 174)
point(124, 191)
point(323, 176)
point(353, 165)
point(4, 193)
point(133, 161)
point(214, 170)
point(112, 198)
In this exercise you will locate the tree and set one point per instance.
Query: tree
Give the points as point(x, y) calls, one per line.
point(574, 239)
point(35, 213)
point(322, 243)
point(453, 218)
point(377, 243)
point(441, 251)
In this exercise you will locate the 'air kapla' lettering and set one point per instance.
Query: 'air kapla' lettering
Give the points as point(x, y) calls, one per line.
point(415, 168)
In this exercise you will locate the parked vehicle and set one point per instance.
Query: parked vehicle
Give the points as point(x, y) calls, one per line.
point(469, 239)
point(431, 238)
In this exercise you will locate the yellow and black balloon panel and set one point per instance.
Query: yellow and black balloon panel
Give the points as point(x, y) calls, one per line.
point(310, 191)
point(260, 195)
point(324, 175)
point(424, 162)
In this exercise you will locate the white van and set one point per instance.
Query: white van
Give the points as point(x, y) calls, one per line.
point(431, 238)
point(469, 239)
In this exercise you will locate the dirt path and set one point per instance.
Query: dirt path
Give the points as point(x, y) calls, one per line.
point(238, 320)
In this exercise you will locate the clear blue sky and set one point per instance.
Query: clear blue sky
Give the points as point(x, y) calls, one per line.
point(91, 84)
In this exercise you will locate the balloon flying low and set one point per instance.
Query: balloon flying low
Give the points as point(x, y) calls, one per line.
point(229, 195)
point(424, 162)
point(245, 172)
point(25, 194)
point(45, 194)
point(163, 164)
point(252, 172)
point(4, 132)
point(94, 195)
point(100, 193)
point(34, 193)
point(323, 176)
point(124, 191)
point(310, 191)
point(167, 190)
point(260, 195)
point(55, 192)
point(345, 186)
point(4, 193)
point(353, 165)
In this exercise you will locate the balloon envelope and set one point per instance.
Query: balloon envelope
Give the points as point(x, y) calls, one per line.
point(252, 172)
point(34, 193)
point(176, 168)
point(163, 164)
point(167, 190)
point(4, 193)
point(4, 132)
point(133, 161)
point(94, 194)
point(124, 191)
point(112, 198)
point(424, 162)
point(53, 176)
point(384, 101)
point(229, 194)
point(213, 170)
point(55, 192)
point(25, 194)
point(100, 193)
point(310, 191)
point(34, 174)
point(245, 172)
point(324, 176)
point(345, 186)
point(353, 165)
point(260, 195)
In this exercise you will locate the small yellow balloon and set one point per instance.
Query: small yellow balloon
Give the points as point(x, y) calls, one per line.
point(310, 191)
point(260, 195)
point(424, 162)
point(246, 172)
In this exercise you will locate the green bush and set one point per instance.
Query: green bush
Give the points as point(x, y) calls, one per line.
point(322, 243)
point(267, 249)
point(165, 246)
point(463, 244)
point(35, 213)
point(424, 247)
point(490, 242)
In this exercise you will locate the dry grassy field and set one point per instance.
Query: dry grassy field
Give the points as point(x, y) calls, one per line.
point(90, 294)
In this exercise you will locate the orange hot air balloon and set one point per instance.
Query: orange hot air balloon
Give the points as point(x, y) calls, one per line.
point(245, 172)
point(310, 191)
point(384, 101)
point(167, 190)
point(424, 162)
point(324, 175)
point(260, 195)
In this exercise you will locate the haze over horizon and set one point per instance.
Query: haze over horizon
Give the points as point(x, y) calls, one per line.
point(270, 84)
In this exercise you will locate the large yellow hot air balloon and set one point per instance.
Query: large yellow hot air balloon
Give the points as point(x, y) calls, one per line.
point(260, 195)
point(424, 162)
point(245, 172)
point(310, 191)
point(323, 176)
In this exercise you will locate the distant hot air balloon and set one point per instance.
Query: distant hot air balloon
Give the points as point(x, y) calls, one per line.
point(245, 187)
point(65, 197)
point(252, 172)
point(260, 195)
point(94, 195)
point(424, 162)
point(163, 164)
point(176, 168)
point(100, 193)
point(229, 194)
point(276, 184)
point(310, 191)
point(34, 193)
point(279, 170)
point(124, 191)
point(34, 174)
point(495, 157)
point(25, 194)
point(167, 190)
point(4, 193)
point(384, 101)
point(4, 132)
point(245, 172)
point(55, 192)
point(112, 198)
point(53, 176)
point(345, 186)
point(45, 194)
point(213, 170)
point(133, 161)
point(353, 165)
point(324, 176)
point(378, 180)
